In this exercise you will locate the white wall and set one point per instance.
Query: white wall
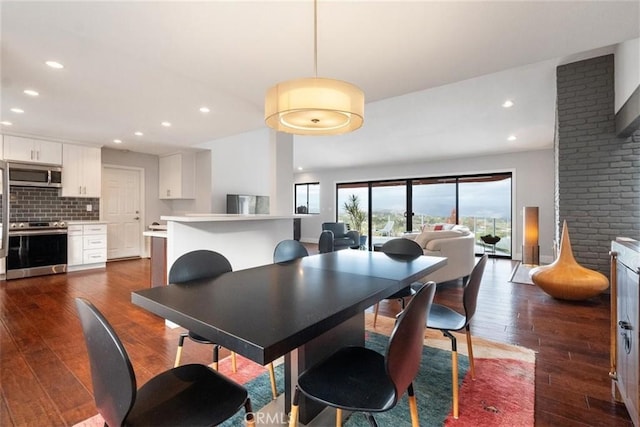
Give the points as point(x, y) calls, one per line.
point(257, 163)
point(239, 165)
point(533, 173)
point(627, 71)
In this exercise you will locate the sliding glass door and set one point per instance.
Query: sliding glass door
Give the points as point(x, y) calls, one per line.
point(352, 207)
point(433, 201)
point(485, 207)
point(388, 208)
point(391, 208)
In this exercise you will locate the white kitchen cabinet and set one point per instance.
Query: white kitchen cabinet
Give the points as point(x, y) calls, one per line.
point(81, 171)
point(86, 246)
point(19, 149)
point(177, 176)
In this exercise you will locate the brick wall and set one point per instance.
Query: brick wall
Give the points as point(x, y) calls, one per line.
point(45, 204)
point(597, 174)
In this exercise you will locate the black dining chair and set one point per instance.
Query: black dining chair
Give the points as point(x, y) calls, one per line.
point(204, 264)
point(359, 379)
point(399, 247)
point(447, 320)
point(188, 395)
point(288, 250)
point(325, 242)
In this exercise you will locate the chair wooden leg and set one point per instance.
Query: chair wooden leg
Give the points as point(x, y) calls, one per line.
point(338, 417)
point(216, 349)
point(250, 419)
point(234, 362)
point(293, 416)
point(179, 351)
point(272, 378)
point(375, 314)
point(454, 370)
point(454, 382)
point(470, 351)
point(413, 407)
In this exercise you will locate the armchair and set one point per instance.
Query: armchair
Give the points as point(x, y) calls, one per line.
point(342, 238)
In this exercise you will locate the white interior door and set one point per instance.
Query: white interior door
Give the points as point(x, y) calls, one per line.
point(121, 195)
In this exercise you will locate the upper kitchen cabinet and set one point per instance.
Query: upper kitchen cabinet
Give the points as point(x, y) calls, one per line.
point(177, 176)
point(30, 150)
point(81, 171)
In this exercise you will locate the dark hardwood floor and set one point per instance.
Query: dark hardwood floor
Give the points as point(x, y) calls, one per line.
point(45, 379)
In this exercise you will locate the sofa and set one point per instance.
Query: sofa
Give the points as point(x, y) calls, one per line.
point(457, 244)
point(343, 238)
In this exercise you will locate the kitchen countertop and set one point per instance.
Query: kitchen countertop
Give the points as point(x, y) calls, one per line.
point(76, 222)
point(209, 217)
point(155, 233)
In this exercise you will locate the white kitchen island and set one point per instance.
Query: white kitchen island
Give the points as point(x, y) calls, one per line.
point(245, 240)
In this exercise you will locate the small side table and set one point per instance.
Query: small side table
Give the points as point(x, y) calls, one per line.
point(490, 241)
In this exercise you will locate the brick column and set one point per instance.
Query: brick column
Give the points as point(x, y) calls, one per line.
point(597, 174)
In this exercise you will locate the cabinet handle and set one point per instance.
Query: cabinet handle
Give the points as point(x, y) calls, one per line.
point(31, 156)
point(168, 192)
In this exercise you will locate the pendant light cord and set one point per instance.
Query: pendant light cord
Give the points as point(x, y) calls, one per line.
point(315, 37)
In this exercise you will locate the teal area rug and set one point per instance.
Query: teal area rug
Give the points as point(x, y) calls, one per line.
point(432, 388)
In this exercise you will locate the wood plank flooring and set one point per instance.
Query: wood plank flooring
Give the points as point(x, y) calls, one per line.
point(45, 378)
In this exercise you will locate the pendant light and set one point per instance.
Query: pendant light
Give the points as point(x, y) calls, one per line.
point(314, 105)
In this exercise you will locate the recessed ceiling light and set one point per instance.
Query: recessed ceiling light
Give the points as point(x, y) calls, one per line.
point(31, 92)
point(117, 141)
point(6, 123)
point(512, 138)
point(204, 110)
point(17, 110)
point(138, 133)
point(507, 104)
point(299, 168)
point(54, 64)
point(166, 124)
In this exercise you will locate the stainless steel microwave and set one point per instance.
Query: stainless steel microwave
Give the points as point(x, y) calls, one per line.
point(31, 175)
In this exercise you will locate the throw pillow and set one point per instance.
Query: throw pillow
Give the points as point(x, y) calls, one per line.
point(438, 227)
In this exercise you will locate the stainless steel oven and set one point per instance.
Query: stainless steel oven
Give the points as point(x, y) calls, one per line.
point(36, 248)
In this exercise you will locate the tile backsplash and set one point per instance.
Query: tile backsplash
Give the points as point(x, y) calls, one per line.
point(45, 204)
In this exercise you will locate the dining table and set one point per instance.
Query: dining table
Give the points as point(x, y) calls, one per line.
point(304, 309)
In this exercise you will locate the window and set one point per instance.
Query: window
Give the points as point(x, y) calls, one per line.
point(307, 198)
point(393, 207)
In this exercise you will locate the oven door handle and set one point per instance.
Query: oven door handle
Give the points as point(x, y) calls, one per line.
point(36, 232)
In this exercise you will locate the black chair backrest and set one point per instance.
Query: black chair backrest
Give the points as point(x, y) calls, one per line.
point(339, 229)
point(470, 292)
point(288, 250)
point(401, 247)
point(404, 352)
point(199, 264)
point(325, 243)
point(112, 376)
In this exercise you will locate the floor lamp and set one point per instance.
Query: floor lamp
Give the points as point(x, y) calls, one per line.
point(530, 245)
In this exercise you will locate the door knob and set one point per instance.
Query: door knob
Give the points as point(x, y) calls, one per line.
point(137, 218)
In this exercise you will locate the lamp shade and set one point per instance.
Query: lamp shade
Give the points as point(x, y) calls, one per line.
point(314, 106)
point(530, 248)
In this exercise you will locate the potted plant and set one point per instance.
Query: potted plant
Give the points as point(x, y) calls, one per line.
point(356, 216)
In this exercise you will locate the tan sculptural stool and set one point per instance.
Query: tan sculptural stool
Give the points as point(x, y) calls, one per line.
point(565, 278)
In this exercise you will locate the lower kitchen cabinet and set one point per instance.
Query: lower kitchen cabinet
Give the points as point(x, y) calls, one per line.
point(87, 246)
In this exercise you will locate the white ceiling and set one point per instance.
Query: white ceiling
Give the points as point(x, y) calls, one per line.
point(434, 73)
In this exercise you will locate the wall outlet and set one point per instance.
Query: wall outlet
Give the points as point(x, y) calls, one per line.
point(89, 208)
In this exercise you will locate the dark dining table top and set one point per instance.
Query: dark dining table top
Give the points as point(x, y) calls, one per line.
point(265, 312)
